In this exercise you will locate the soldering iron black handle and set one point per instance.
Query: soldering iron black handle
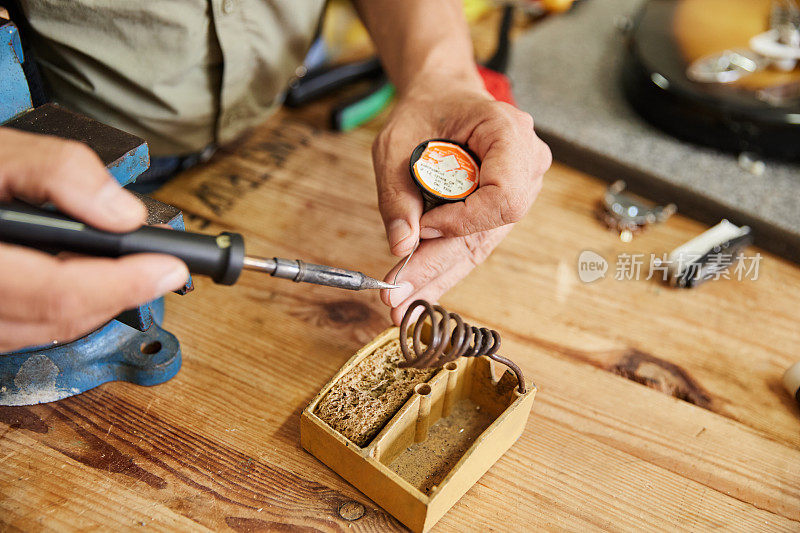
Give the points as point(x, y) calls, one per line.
point(221, 257)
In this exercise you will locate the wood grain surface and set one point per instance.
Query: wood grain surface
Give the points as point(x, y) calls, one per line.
point(657, 408)
point(712, 442)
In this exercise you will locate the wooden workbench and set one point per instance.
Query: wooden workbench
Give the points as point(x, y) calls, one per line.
point(713, 442)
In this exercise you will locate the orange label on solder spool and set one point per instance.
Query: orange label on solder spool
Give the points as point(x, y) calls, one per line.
point(447, 170)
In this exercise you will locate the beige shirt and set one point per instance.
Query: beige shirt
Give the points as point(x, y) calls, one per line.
point(179, 73)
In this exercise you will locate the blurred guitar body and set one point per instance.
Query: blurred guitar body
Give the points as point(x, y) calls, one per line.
point(672, 43)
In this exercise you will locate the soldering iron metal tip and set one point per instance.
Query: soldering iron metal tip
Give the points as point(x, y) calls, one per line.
point(372, 283)
point(301, 271)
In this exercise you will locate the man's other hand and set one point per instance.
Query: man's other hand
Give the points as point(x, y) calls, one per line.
point(457, 236)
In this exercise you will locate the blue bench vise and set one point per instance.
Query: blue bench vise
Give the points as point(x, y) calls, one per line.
point(132, 347)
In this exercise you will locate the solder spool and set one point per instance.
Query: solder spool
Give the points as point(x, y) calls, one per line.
point(444, 170)
point(450, 429)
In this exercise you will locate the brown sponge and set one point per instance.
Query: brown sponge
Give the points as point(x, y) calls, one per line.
point(367, 397)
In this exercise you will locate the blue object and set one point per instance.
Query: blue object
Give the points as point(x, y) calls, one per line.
point(129, 166)
point(15, 98)
point(115, 352)
point(317, 54)
point(133, 347)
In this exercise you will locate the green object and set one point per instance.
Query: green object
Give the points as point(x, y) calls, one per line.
point(363, 108)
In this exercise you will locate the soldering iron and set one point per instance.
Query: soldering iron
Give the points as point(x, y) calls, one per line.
point(221, 257)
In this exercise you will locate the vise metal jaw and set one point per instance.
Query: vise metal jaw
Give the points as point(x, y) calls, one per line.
point(132, 347)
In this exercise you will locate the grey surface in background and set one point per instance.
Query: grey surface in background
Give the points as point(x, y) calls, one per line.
point(566, 73)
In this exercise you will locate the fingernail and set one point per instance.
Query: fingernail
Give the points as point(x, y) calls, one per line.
point(121, 205)
point(429, 233)
point(173, 278)
point(399, 230)
point(398, 295)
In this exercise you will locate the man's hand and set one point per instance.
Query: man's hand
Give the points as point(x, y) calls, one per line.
point(45, 298)
point(426, 50)
point(458, 236)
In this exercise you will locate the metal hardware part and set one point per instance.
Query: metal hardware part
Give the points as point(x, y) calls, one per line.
point(778, 54)
point(711, 252)
point(302, 272)
point(445, 346)
point(750, 162)
point(725, 67)
point(782, 42)
point(628, 215)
